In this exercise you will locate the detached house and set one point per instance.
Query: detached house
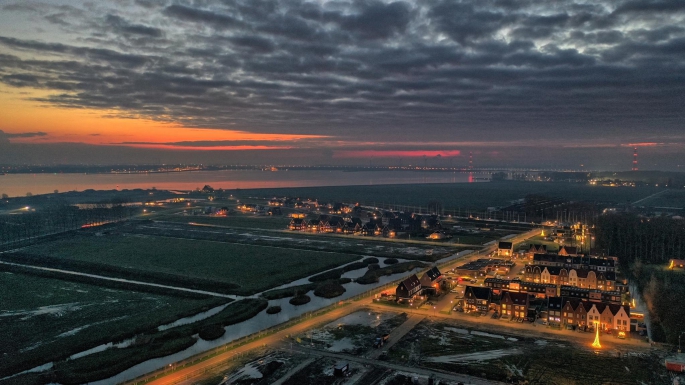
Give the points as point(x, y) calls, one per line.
point(477, 298)
point(431, 279)
point(505, 249)
point(407, 289)
point(554, 306)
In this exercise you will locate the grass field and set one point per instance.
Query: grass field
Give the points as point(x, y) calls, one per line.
point(254, 268)
point(44, 319)
point(463, 195)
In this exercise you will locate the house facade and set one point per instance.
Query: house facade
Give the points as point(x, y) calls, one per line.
point(514, 305)
point(407, 289)
point(477, 298)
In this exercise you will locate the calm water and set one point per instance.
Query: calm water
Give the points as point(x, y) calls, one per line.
point(20, 184)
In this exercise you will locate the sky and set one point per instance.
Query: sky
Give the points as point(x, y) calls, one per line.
point(556, 84)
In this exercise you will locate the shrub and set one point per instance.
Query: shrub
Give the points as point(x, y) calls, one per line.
point(329, 290)
point(273, 310)
point(212, 332)
point(374, 266)
point(391, 261)
point(370, 260)
point(300, 300)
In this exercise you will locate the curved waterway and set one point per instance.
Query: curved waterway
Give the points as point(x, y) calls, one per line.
point(259, 322)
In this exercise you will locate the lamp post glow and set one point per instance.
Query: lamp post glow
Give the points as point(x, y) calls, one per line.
point(596, 344)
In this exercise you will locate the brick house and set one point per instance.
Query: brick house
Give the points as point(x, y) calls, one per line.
point(407, 289)
point(514, 305)
point(477, 298)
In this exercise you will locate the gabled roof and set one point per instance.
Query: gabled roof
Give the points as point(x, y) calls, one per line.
point(479, 292)
point(411, 282)
point(514, 297)
point(573, 302)
point(569, 249)
point(536, 248)
point(505, 245)
point(297, 221)
point(314, 221)
point(616, 308)
point(433, 273)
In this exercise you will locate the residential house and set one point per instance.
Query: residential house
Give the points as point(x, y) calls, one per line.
point(430, 223)
point(335, 225)
point(313, 225)
point(554, 306)
point(431, 279)
point(621, 316)
point(505, 249)
point(594, 314)
point(297, 224)
point(389, 232)
point(569, 314)
point(274, 211)
point(368, 229)
point(477, 298)
point(407, 289)
point(536, 249)
point(514, 305)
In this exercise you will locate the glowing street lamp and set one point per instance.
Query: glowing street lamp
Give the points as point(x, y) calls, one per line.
point(596, 344)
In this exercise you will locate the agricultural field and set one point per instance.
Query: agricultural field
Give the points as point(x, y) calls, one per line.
point(451, 347)
point(249, 268)
point(474, 196)
point(46, 319)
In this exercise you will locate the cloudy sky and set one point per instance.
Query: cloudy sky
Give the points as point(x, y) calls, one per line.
point(516, 82)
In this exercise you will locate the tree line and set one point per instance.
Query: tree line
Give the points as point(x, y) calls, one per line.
point(649, 240)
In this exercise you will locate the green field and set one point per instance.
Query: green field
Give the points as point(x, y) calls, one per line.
point(459, 195)
point(253, 268)
point(45, 319)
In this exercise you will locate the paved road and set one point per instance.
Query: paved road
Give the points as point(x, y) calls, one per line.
point(466, 379)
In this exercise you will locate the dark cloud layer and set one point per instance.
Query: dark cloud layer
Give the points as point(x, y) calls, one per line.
point(437, 69)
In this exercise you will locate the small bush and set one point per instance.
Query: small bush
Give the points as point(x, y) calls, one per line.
point(374, 266)
point(212, 332)
point(329, 290)
point(370, 260)
point(300, 300)
point(391, 261)
point(273, 310)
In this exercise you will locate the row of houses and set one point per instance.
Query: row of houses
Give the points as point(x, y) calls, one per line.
point(349, 226)
point(576, 262)
point(561, 310)
point(582, 278)
point(547, 290)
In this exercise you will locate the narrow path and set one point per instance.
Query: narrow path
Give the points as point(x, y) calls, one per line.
point(123, 280)
point(466, 379)
point(651, 196)
point(294, 370)
point(397, 334)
